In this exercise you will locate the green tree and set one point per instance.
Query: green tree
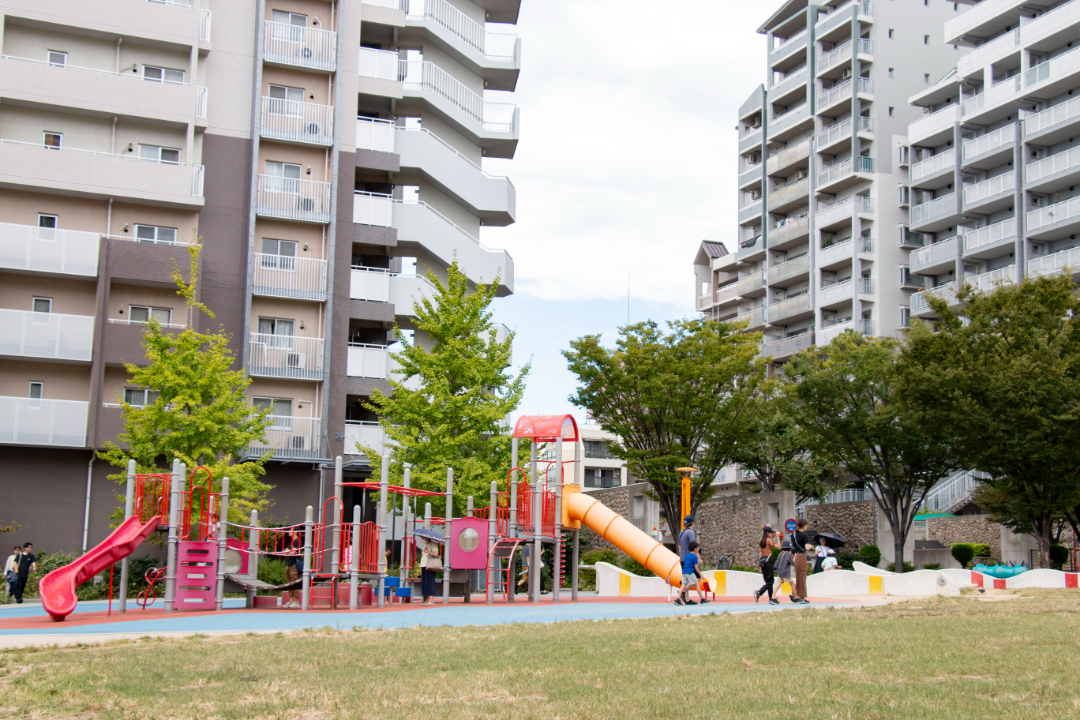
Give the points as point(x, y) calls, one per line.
point(674, 399)
point(450, 406)
point(847, 399)
point(199, 414)
point(1007, 382)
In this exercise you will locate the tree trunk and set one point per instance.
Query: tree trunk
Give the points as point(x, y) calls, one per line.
point(1042, 535)
point(898, 552)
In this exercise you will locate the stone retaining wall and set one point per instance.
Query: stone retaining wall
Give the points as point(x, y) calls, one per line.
point(730, 526)
point(855, 521)
point(965, 529)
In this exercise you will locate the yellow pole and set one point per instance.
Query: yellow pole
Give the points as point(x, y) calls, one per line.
point(685, 472)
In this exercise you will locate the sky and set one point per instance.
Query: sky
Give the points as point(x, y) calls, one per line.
point(626, 163)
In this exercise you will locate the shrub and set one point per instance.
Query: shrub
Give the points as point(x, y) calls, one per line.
point(587, 578)
point(743, 568)
point(870, 554)
point(631, 565)
point(963, 553)
point(1059, 555)
point(932, 566)
point(980, 549)
point(775, 554)
point(908, 567)
point(272, 571)
point(846, 559)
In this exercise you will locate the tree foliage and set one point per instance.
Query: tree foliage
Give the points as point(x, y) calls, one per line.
point(449, 409)
point(674, 399)
point(199, 413)
point(846, 397)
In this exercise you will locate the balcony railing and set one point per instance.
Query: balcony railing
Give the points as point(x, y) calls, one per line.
point(1053, 264)
point(375, 134)
point(1003, 90)
point(837, 292)
point(367, 361)
point(789, 308)
point(1058, 212)
point(990, 235)
point(787, 156)
point(789, 346)
point(422, 75)
point(837, 93)
point(285, 356)
point(293, 199)
point(299, 45)
point(373, 209)
point(939, 252)
point(829, 333)
point(997, 185)
point(834, 133)
point(832, 173)
point(368, 283)
point(51, 336)
point(30, 421)
point(936, 121)
point(787, 270)
point(204, 26)
point(790, 192)
point(363, 434)
point(1056, 66)
point(50, 250)
point(791, 39)
point(843, 52)
point(201, 94)
point(948, 493)
point(920, 301)
point(296, 121)
point(492, 45)
point(990, 281)
point(379, 64)
point(789, 227)
point(990, 141)
point(937, 208)
point(1051, 116)
point(751, 283)
point(1060, 163)
point(828, 213)
point(290, 438)
point(934, 164)
point(788, 82)
point(298, 278)
point(754, 318)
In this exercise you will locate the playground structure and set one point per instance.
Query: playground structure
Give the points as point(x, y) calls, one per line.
point(207, 555)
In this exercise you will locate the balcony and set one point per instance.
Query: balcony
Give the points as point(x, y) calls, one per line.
point(33, 167)
point(836, 294)
point(56, 423)
point(943, 161)
point(751, 249)
point(370, 284)
point(987, 282)
point(1045, 78)
point(290, 438)
point(293, 199)
point(835, 214)
point(840, 56)
point(790, 83)
point(990, 241)
point(1053, 220)
point(375, 135)
point(750, 140)
point(844, 174)
point(983, 106)
point(378, 71)
point(983, 19)
point(939, 211)
point(297, 122)
point(363, 434)
point(285, 356)
point(48, 336)
point(789, 231)
point(783, 349)
point(749, 211)
point(1056, 263)
point(755, 319)
point(373, 209)
point(751, 285)
point(406, 291)
point(787, 157)
point(793, 309)
point(790, 271)
point(367, 361)
point(750, 177)
point(789, 122)
point(160, 22)
point(790, 195)
point(832, 96)
point(935, 259)
point(935, 126)
point(842, 14)
point(837, 253)
point(840, 134)
point(920, 301)
point(1054, 172)
point(495, 57)
point(492, 198)
point(1050, 124)
point(991, 194)
point(988, 53)
point(297, 278)
point(830, 332)
point(298, 46)
point(788, 47)
point(48, 250)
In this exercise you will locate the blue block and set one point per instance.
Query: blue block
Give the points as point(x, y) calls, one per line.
point(403, 592)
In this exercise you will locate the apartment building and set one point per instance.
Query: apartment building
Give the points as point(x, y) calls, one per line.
point(816, 249)
point(327, 153)
point(994, 172)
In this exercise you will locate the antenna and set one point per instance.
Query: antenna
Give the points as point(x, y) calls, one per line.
point(627, 298)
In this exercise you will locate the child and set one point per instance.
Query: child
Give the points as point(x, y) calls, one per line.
point(785, 566)
point(691, 570)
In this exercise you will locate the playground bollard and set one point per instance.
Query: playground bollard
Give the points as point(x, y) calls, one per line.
point(382, 528)
point(339, 515)
point(305, 592)
point(492, 533)
point(537, 518)
point(253, 558)
point(125, 564)
point(557, 574)
point(447, 535)
point(427, 516)
point(223, 527)
point(176, 487)
point(354, 564)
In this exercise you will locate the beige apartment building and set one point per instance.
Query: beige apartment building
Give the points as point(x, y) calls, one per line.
point(328, 154)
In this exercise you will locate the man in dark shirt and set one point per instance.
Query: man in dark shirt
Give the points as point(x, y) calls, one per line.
point(687, 536)
point(27, 565)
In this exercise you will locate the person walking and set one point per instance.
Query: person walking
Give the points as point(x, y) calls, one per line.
point(430, 563)
point(294, 565)
point(27, 565)
point(765, 547)
point(799, 544)
point(785, 570)
point(11, 571)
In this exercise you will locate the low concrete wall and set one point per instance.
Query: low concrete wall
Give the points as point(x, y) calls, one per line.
point(941, 556)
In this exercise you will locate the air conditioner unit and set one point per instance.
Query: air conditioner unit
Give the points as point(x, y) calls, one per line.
point(298, 442)
point(313, 129)
point(847, 74)
point(755, 194)
point(755, 123)
point(296, 360)
point(755, 158)
point(800, 175)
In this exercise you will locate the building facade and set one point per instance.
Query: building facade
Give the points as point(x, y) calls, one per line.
point(327, 154)
point(816, 249)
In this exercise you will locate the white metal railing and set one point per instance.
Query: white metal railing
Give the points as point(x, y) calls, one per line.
point(497, 46)
point(290, 437)
point(920, 301)
point(1052, 264)
point(948, 493)
point(1064, 210)
point(368, 283)
point(31, 421)
point(990, 141)
point(866, 286)
point(1003, 90)
point(990, 281)
point(198, 176)
point(99, 71)
point(838, 92)
point(363, 434)
point(423, 75)
point(291, 277)
point(990, 235)
point(1051, 116)
point(832, 173)
point(144, 323)
point(290, 356)
point(834, 56)
point(27, 247)
point(835, 132)
point(204, 26)
point(1061, 162)
point(388, 4)
point(298, 45)
point(375, 134)
point(368, 361)
point(454, 150)
point(857, 203)
point(1057, 65)
point(934, 253)
point(379, 64)
point(200, 102)
point(835, 292)
point(52, 336)
point(997, 185)
point(293, 199)
point(373, 209)
point(938, 207)
point(933, 164)
point(176, 3)
point(297, 121)
point(449, 222)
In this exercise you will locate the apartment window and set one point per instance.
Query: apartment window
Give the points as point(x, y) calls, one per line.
point(155, 234)
point(905, 317)
point(278, 254)
point(140, 397)
point(926, 78)
point(289, 18)
point(599, 449)
point(57, 58)
point(280, 410)
point(890, 33)
point(53, 139)
point(890, 72)
point(282, 177)
point(925, 39)
point(286, 100)
point(603, 477)
point(890, 112)
point(145, 313)
point(158, 154)
point(162, 74)
point(41, 305)
point(36, 391)
point(46, 227)
point(276, 332)
point(288, 26)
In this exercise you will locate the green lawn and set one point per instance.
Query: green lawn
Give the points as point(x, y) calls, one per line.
point(944, 658)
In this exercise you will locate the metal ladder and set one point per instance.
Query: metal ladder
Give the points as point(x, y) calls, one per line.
point(496, 575)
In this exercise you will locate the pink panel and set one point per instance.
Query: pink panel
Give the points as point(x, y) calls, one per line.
point(475, 530)
point(196, 576)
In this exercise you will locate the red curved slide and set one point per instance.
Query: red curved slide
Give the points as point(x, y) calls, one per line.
point(57, 589)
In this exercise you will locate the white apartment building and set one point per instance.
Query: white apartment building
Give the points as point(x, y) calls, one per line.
point(817, 247)
point(328, 153)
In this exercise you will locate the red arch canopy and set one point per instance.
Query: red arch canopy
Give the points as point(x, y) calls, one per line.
point(547, 428)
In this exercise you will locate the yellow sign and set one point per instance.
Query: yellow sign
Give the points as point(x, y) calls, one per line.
point(686, 472)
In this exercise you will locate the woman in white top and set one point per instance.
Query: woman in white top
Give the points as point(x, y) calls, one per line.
point(11, 570)
point(820, 553)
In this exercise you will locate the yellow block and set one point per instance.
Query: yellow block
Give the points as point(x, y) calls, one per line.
point(719, 584)
point(785, 588)
point(567, 522)
point(875, 584)
point(624, 585)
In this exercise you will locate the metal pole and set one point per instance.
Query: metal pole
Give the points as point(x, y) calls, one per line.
point(339, 515)
point(305, 592)
point(125, 564)
point(469, 506)
point(174, 513)
point(574, 568)
point(402, 573)
point(556, 575)
point(382, 526)
point(511, 531)
point(537, 544)
point(223, 527)
point(492, 520)
point(427, 516)
point(252, 558)
point(579, 472)
point(448, 535)
point(354, 564)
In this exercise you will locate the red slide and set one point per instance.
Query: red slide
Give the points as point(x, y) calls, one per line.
point(57, 589)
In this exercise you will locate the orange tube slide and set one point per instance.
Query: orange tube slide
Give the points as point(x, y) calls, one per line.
point(621, 533)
